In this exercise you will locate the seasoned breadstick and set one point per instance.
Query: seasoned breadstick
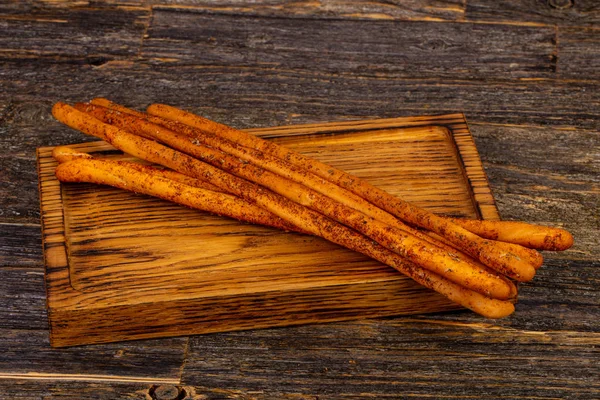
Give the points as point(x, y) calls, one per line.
point(141, 180)
point(284, 168)
point(500, 258)
point(421, 252)
point(65, 153)
point(149, 150)
point(529, 235)
point(130, 119)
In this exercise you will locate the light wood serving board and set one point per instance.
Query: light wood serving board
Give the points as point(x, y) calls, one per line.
point(122, 266)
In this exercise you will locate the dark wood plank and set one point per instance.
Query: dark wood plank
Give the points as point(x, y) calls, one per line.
point(254, 97)
point(92, 32)
point(578, 53)
point(30, 388)
point(547, 12)
point(20, 7)
point(20, 245)
point(23, 299)
point(26, 126)
point(19, 191)
point(28, 353)
point(374, 48)
point(25, 348)
point(358, 9)
point(422, 358)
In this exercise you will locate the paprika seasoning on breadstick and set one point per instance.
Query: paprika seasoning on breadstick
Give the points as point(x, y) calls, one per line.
point(149, 180)
point(505, 258)
point(424, 253)
point(533, 236)
point(427, 257)
point(157, 128)
point(525, 234)
point(126, 117)
point(141, 180)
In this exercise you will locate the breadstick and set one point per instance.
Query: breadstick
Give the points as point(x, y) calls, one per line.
point(130, 118)
point(149, 150)
point(149, 180)
point(421, 252)
point(533, 236)
point(524, 234)
point(506, 258)
point(143, 181)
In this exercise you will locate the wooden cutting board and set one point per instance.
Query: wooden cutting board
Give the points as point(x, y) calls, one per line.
point(122, 266)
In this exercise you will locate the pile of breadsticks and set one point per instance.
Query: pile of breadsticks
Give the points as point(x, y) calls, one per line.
point(215, 168)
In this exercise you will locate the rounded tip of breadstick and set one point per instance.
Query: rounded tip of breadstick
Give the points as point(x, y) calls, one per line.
point(58, 107)
point(563, 240)
point(100, 101)
point(152, 107)
point(526, 272)
point(501, 311)
point(63, 154)
point(490, 308)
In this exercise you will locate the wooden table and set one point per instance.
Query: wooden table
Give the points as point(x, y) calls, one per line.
point(526, 74)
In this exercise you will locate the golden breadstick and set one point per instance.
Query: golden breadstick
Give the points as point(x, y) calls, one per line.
point(127, 118)
point(141, 180)
point(485, 250)
point(529, 235)
point(421, 252)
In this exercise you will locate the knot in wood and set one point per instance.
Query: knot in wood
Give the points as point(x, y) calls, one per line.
point(561, 4)
point(167, 392)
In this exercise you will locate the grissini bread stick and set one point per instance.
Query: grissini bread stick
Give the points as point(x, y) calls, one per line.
point(498, 257)
point(67, 153)
point(141, 181)
point(533, 236)
point(108, 111)
point(421, 252)
point(530, 235)
point(154, 152)
point(160, 129)
point(149, 180)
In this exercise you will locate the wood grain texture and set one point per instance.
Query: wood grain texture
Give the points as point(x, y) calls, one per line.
point(23, 297)
point(290, 96)
point(21, 389)
point(547, 12)
point(401, 50)
point(548, 110)
point(429, 10)
point(78, 32)
point(26, 354)
point(579, 53)
point(456, 355)
point(104, 257)
point(25, 351)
